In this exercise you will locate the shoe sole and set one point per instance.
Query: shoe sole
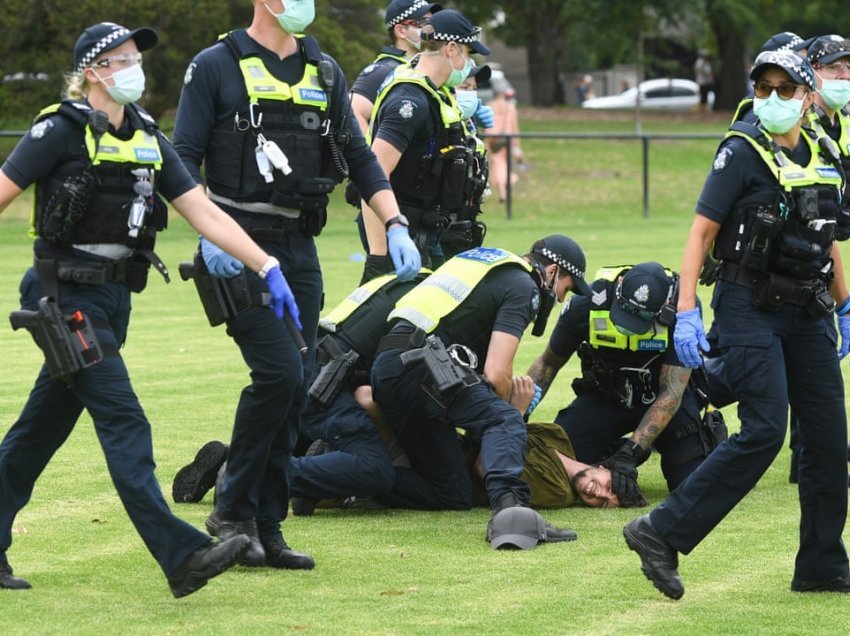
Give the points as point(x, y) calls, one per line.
point(197, 580)
point(194, 480)
point(637, 546)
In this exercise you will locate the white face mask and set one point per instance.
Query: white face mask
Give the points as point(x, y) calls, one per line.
point(467, 101)
point(417, 43)
point(129, 84)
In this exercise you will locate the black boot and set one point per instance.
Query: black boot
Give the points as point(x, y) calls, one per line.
point(10, 582)
point(193, 481)
point(280, 555)
point(206, 562)
point(304, 506)
point(224, 529)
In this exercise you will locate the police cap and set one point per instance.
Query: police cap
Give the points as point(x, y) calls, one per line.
point(449, 25)
point(400, 10)
point(105, 36)
point(785, 41)
point(639, 297)
point(481, 74)
point(566, 254)
point(800, 69)
point(828, 48)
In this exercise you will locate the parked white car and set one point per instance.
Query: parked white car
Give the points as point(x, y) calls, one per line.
point(656, 94)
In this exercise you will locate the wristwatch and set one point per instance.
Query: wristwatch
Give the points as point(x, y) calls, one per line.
point(399, 219)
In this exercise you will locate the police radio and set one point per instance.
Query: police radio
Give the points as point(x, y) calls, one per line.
point(667, 313)
point(547, 301)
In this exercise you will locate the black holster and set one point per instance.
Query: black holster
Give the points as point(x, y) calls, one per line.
point(222, 298)
point(336, 369)
point(445, 373)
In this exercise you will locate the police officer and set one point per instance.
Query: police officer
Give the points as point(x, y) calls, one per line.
point(267, 112)
point(403, 20)
point(477, 305)
point(100, 166)
point(769, 205)
point(418, 136)
point(631, 379)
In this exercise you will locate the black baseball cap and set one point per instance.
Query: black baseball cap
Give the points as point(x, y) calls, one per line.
point(799, 68)
point(517, 527)
point(639, 297)
point(449, 25)
point(400, 10)
point(481, 74)
point(828, 48)
point(105, 36)
point(566, 254)
point(786, 41)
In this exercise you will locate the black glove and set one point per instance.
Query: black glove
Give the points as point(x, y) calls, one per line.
point(623, 466)
point(376, 266)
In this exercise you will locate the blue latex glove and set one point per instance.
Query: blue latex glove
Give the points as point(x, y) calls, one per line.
point(220, 263)
point(844, 330)
point(484, 115)
point(405, 256)
point(689, 337)
point(538, 394)
point(282, 299)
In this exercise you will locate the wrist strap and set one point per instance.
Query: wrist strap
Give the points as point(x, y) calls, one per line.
point(271, 263)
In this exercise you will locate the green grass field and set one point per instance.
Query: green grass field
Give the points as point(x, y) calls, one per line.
point(397, 572)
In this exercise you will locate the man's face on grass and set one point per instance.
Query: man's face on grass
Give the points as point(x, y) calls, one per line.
point(593, 486)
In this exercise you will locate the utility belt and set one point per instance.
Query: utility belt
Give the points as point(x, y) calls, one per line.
point(273, 228)
point(630, 386)
point(424, 224)
point(770, 290)
point(133, 271)
point(69, 343)
point(460, 236)
point(337, 367)
point(447, 369)
point(226, 298)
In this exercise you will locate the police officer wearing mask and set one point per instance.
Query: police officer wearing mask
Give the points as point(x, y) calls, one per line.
point(631, 380)
point(769, 206)
point(494, 296)
point(267, 112)
point(418, 136)
point(403, 20)
point(100, 167)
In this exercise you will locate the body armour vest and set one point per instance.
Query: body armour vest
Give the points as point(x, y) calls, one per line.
point(625, 368)
point(360, 319)
point(441, 179)
point(842, 145)
point(95, 201)
point(295, 117)
point(788, 230)
point(444, 290)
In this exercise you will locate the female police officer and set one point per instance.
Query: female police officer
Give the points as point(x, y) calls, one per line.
point(99, 165)
point(769, 205)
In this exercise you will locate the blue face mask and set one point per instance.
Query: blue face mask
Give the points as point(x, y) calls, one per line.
point(467, 101)
point(458, 76)
point(778, 115)
point(835, 93)
point(297, 15)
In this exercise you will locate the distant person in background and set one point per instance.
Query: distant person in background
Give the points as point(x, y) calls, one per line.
point(704, 76)
point(584, 89)
point(505, 121)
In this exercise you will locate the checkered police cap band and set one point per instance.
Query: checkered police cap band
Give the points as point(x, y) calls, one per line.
point(791, 44)
point(561, 262)
point(417, 6)
point(800, 69)
point(828, 45)
point(100, 46)
point(475, 36)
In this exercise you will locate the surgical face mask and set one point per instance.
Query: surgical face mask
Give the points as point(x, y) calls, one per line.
point(778, 115)
point(467, 101)
point(835, 93)
point(417, 43)
point(129, 84)
point(297, 15)
point(458, 76)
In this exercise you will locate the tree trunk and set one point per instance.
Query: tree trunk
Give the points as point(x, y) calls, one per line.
point(730, 77)
point(544, 54)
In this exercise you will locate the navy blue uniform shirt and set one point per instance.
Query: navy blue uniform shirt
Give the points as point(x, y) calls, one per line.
point(214, 92)
point(371, 77)
point(57, 141)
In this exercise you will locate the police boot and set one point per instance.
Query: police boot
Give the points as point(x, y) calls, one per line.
point(659, 561)
point(10, 582)
point(280, 555)
point(193, 481)
point(225, 529)
point(206, 562)
point(304, 506)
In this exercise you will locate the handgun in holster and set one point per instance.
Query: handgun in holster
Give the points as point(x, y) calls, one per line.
point(445, 371)
point(222, 298)
point(69, 343)
point(333, 373)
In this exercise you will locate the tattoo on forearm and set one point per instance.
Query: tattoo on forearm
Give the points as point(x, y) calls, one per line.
point(672, 384)
point(544, 369)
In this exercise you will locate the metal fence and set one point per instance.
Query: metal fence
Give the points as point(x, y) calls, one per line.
point(644, 138)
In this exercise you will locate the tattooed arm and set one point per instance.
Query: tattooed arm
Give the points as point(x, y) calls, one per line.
point(544, 369)
point(672, 384)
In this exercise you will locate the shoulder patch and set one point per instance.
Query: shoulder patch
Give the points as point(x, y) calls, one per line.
point(722, 159)
point(566, 306)
point(535, 302)
point(187, 78)
point(406, 108)
point(368, 69)
point(41, 129)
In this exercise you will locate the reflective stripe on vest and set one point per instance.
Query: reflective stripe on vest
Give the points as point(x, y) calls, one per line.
point(260, 84)
point(141, 148)
point(792, 175)
point(443, 291)
point(336, 316)
point(404, 74)
point(603, 333)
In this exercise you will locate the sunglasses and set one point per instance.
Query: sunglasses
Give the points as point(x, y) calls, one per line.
point(631, 308)
point(835, 67)
point(785, 90)
point(125, 60)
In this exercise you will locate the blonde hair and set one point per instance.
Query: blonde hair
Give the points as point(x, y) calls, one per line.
point(76, 86)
